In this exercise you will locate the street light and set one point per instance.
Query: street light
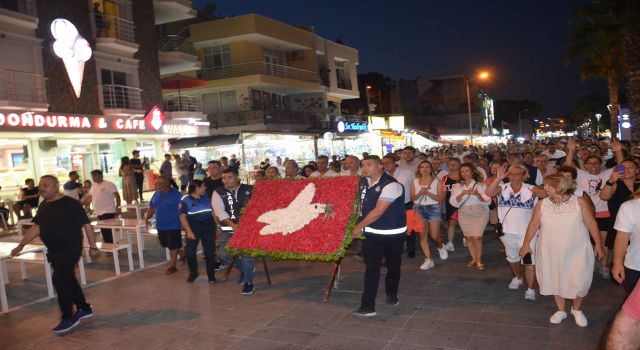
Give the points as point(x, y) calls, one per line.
point(520, 120)
point(482, 76)
point(368, 104)
point(598, 116)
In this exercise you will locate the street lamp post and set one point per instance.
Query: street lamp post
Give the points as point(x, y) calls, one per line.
point(598, 116)
point(520, 121)
point(368, 104)
point(481, 76)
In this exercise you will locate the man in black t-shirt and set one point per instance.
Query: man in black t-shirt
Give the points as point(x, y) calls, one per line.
point(214, 180)
point(59, 223)
point(138, 171)
point(27, 199)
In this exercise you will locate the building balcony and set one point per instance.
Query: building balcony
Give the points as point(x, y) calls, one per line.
point(258, 68)
point(21, 13)
point(121, 100)
point(269, 120)
point(20, 90)
point(183, 107)
point(115, 33)
point(177, 53)
point(166, 11)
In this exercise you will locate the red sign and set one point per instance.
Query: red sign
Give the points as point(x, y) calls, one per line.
point(36, 121)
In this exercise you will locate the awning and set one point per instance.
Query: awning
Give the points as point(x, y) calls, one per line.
point(203, 141)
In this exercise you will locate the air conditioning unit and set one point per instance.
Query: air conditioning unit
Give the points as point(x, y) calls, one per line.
point(297, 55)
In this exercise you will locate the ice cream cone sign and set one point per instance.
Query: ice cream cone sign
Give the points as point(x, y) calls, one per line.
point(155, 118)
point(73, 49)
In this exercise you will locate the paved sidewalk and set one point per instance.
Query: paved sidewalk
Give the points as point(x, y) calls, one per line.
point(448, 307)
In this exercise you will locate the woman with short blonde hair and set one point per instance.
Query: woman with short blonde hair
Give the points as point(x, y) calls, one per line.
point(563, 254)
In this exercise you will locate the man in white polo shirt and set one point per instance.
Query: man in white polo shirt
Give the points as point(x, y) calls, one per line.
point(323, 168)
point(106, 201)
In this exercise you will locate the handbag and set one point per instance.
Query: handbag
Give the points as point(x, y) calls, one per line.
point(498, 226)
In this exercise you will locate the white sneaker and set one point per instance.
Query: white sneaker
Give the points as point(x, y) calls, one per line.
point(558, 317)
point(450, 247)
point(604, 272)
point(444, 255)
point(464, 242)
point(427, 264)
point(581, 319)
point(530, 294)
point(515, 283)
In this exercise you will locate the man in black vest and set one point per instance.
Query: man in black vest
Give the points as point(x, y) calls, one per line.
point(383, 219)
point(227, 202)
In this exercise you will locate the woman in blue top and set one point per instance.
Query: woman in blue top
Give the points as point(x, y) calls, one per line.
point(196, 216)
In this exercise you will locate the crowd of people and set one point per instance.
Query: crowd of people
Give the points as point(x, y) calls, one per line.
point(555, 207)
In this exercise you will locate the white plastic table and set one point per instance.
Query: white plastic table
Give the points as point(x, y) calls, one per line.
point(5, 253)
point(126, 226)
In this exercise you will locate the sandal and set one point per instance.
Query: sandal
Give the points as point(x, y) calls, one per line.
point(471, 263)
point(480, 266)
point(171, 271)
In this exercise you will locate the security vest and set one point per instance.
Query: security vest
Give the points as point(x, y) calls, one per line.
point(394, 220)
point(233, 203)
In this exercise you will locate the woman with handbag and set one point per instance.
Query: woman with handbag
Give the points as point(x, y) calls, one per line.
point(516, 200)
point(473, 210)
point(426, 194)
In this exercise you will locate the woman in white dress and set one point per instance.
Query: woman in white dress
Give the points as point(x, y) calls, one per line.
point(563, 254)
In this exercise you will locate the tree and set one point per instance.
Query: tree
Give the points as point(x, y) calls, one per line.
point(630, 33)
point(586, 108)
point(596, 42)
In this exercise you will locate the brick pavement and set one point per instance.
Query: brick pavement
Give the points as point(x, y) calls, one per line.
point(448, 307)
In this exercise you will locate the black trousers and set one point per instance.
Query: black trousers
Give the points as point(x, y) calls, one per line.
point(376, 247)
point(204, 231)
point(65, 282)
point(631, 277)
point(107, 235)
point(139, 181)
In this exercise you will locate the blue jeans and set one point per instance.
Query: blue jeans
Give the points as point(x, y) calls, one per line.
point(429, 212)
point(244, 262)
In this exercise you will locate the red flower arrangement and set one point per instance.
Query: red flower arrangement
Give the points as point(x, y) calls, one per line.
point(309, 219)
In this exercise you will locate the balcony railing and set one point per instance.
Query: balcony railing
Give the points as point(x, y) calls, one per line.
point(244, 69)
point(182, 103)
point(114, 27)
point(121, 97)
point(28, 7)
point(22, 87)
point(177, 42)
point(309, 119)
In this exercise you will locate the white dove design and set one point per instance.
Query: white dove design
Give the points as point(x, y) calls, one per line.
point(297, 215)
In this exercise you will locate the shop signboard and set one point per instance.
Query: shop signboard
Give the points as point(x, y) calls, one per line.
point(345, 126)
point(29, 121)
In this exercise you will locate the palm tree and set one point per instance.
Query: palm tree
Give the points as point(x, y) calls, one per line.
point(630, 33)
point(597, 44)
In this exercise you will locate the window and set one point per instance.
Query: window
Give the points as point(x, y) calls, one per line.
point(274, 61)
point(210, 103)
point(217, 56)
point(115, 91)
point(228, 101)
point(341, 76)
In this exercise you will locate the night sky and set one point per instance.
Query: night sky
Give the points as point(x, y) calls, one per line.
point(523, 42)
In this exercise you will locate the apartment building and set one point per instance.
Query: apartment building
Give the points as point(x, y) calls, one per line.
point(79, 80)
point(259, 74)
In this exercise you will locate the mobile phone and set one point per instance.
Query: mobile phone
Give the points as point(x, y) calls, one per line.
point(526, 260)
point(619, 168)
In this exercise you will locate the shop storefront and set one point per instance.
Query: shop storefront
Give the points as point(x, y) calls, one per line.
point(35, 144)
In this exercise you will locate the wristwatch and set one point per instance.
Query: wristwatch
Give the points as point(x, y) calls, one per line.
point(609, 183)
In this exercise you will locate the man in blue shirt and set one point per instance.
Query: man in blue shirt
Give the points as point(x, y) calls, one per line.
point(165, 203)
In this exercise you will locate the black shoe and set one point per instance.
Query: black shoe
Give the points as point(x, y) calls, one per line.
point(192, 277)
point(220, 267)
point(364, 312)
point(392, 301)
point(411, 254)
point(247, 289)
point(66, 325)
point(82, 314)
point(212, 278)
